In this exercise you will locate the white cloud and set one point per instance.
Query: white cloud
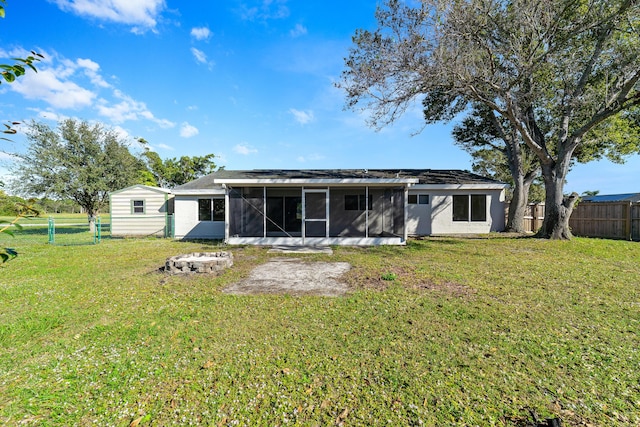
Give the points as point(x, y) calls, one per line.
point(52, 115)
point(298, 30)
point(244, 149)
point(91, 70)
point(66, 84)
point(310, 158)
point(141, 14)
point(8, 156)
point(200, 33)
point(200, 56)
point(123, 134)
point(187, 130)
point(47, 85)
point(128, 109)
point(302, 117)
point(263, 10)
point(165, 147)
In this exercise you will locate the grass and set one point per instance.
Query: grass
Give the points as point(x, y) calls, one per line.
point(60, 218)
point(468, 332)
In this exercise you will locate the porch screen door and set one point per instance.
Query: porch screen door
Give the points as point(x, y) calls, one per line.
point(315, 213)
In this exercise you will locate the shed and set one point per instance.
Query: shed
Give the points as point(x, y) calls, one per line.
point(141, 210)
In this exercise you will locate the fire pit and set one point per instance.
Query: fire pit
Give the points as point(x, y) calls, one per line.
point(199, 262)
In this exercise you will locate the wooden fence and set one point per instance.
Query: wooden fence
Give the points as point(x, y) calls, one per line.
point(612, 220)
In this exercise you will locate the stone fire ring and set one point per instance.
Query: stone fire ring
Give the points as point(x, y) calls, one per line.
point(199, 262)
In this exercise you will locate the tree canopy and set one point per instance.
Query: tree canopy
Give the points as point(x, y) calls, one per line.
point(172, 172)
point(78, 161)
point(563, 73)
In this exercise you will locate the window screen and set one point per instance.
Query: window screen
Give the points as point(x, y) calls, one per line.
point(353, 202)
point(204, 209)
point(461, 208)
point(350, 202)
point(218, 209)
point(478, 207)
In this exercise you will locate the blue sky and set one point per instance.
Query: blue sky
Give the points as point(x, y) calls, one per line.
point(251, 81)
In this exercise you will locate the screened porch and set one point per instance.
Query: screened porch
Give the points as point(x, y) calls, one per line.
point(316, 215)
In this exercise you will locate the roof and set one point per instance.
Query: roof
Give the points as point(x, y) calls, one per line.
point(627, 197)
point(338, 176)
point(146, 187)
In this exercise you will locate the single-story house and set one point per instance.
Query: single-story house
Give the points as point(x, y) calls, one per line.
point(350, 207)
point(141, 210)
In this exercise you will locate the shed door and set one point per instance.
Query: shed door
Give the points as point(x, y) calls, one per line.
point(315, 213)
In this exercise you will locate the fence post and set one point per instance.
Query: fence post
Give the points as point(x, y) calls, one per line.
point(97, 231)
point(628, 232)
point(52, 231)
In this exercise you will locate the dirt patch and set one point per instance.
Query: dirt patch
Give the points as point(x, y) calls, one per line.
point(294, 277)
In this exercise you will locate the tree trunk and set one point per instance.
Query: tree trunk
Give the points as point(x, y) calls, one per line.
point(558, 208)
point(92, 223)
point(517, 206)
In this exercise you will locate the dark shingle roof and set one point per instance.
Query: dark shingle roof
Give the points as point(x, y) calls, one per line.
point(424, 176)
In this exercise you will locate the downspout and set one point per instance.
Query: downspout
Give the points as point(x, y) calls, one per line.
point(366, 212)
point(166, 215)
point(226, 213)
point(406, 213)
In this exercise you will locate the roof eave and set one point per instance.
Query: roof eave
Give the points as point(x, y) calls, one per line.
point(316, 181)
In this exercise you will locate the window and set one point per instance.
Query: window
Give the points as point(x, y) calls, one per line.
point(218, 209)
point(350, 202)
point(356, 202)
point(418, 199)
point(137, 206)
point(478, 207)
point(204, 209)
point(470, 207)
point(210, 209)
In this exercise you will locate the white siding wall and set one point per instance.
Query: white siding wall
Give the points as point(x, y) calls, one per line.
point(125, 223)
point(186, 220)
point(442, 213)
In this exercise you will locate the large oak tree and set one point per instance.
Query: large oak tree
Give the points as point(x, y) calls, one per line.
point(78, 161)
point(571, 65)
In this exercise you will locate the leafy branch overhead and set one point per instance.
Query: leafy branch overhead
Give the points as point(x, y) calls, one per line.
point(11, 71)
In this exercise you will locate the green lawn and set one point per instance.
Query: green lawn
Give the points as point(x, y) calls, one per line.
point(462, 332)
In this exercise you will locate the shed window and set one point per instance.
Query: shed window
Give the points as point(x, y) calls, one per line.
point(137, 206)
point(470, 207)
point(210, 209)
